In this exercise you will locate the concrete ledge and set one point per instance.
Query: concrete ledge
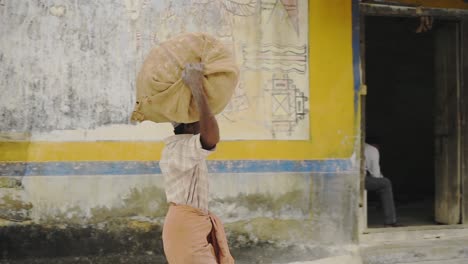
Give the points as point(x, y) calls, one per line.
point(404, 234)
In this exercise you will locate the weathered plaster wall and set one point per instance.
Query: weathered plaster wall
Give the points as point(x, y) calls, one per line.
point(65, 65)
point(281, 200)
point(302, 212)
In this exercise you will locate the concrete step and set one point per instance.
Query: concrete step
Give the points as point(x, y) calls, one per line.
point(453, 261)
point(446, 251)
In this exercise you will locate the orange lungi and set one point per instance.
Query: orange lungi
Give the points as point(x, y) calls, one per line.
point(191, 236)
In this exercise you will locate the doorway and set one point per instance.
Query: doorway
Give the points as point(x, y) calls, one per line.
point(413, 110)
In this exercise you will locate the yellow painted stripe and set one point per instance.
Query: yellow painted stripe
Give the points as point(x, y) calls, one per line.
point(147, 151)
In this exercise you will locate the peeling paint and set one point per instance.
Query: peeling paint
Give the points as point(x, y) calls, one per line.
point(149, 203)
point(10, 202)
point(10, 182)
point(291, 203)
point(259, 231)
point(58, 11)
point(54, 71)
point(14, 209)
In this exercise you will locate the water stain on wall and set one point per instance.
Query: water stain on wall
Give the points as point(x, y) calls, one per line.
point(264, 203)
point(14, 209)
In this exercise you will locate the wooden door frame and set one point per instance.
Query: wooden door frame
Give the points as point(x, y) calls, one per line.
point(460, 16)
point(448, 155)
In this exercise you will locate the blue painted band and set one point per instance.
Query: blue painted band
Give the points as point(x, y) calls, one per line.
point(152, 167)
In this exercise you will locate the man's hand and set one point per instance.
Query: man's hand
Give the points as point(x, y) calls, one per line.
point(192, 76)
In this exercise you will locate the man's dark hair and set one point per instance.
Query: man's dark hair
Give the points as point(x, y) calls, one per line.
point(179, 129)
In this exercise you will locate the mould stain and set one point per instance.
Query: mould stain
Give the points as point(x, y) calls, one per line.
point(268, 202)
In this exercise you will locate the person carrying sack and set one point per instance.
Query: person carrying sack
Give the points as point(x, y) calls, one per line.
point(191, 234)
point(187, 80)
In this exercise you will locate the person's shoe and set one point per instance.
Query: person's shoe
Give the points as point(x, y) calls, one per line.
point(396, 224)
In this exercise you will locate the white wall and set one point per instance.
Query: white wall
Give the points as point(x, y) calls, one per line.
point(68, 67)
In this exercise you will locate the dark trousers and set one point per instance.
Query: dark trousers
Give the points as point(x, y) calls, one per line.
point(383, 187)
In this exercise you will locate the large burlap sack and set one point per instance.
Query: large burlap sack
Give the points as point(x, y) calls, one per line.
point(161, 94)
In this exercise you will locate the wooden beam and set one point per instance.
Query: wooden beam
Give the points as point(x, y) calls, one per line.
point(371, 9)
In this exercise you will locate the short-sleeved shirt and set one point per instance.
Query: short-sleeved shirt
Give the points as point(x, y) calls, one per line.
point(183, 164)
point(372, 156)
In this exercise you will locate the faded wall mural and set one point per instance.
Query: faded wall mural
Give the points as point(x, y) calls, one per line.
point(68, 67)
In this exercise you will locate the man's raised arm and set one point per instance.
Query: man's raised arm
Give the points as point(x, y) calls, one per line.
point(192, 76)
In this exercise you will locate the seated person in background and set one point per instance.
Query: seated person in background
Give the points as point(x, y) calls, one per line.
point(375, 181)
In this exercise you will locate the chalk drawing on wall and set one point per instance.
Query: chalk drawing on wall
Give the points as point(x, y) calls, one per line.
point(275, 57)
point(239, 101)
point(133, 8)
point(263, 36)
point(165, 19)
point(240, 8)
point(289, 105)
point(290, 6)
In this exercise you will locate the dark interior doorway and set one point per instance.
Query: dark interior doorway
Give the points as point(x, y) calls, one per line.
point(400, 108)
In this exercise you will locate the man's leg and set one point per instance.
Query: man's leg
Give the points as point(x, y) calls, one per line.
point(383, 186)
